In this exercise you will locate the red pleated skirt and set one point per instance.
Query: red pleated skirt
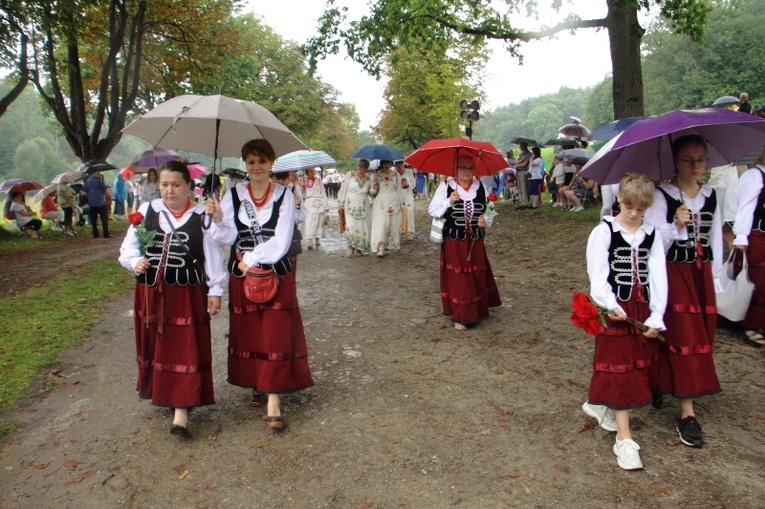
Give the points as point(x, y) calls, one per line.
point(622, 361)
point(266, 345)
point(468, 288)
point(686, 368)
point(755, 257)
point(174, 352)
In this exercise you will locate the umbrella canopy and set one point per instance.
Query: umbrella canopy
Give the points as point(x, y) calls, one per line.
point(95, 165)
point(19, 186)
point(608, 130)
point(45, 191)
point(67, 177)
point(236, 172)
point(440, 156)
point(531, 142)
point(381, 152)
point(196, 170)
point(575, 120)
point(575, 129)
point(646, 145)
point(302, 160)
point(214, 125)
point(576, 153)
point(127, 173)
point(563, 142)
point(154, 158)
point(725, 101)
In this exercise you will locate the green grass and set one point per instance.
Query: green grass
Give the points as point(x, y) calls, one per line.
point(589, 214)
point(11, 242)
point(41, 322)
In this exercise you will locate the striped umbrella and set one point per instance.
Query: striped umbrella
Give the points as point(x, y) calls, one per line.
point(302, 160)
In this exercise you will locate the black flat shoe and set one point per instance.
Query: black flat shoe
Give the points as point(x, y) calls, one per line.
point(177, 429)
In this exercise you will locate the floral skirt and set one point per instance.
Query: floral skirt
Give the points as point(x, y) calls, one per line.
point(622, 361)
point(174, 352)
point(468, 288)
point(686, 368)
point(266, 345)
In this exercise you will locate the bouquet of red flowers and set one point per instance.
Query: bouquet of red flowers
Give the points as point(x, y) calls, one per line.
point(590, 317)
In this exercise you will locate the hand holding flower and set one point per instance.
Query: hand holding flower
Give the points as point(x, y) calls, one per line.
point(618, 315)
point(590, 317)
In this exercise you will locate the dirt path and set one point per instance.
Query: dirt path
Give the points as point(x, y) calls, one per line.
point(406, 411)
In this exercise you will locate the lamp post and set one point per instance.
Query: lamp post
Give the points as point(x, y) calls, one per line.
point(470, 113)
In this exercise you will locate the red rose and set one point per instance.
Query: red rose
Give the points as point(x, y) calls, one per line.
point(492, 197)
point(135, 218)
point(585, 314)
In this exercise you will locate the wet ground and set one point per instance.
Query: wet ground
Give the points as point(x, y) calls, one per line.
point(406, 411)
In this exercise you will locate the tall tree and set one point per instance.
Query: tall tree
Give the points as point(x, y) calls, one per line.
point(437, 22)
point(88, 56)
point(424, 92)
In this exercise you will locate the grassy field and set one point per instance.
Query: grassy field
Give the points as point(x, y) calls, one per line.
point(41, 322)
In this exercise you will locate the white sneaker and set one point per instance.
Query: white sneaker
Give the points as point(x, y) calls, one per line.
point(602, 414)
point(577, 209)
point(556, 204)
point(627, 455)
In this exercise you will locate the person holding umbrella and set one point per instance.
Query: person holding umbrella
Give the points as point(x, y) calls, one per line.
point(24, 216)
point(96, 188)
point(468, 288)
point(686, 214)
point(386, 209)
point(266, 341)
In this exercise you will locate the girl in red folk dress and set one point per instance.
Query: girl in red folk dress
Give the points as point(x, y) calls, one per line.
point(625, 263)
point(267, 349)
point(468, 288)
point(180, 271)
point(686, 213)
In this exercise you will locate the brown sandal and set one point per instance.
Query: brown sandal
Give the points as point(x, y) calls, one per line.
point(275, 423)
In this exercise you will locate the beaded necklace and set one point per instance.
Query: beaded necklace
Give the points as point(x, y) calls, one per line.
point(262, 201)
point(180, 214)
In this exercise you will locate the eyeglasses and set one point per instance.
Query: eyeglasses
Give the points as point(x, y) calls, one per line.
point(466, 167)
point(689, 161)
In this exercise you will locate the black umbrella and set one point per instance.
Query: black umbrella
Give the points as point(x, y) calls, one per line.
point(529, 141)
point(95, 165)
point(564, 142)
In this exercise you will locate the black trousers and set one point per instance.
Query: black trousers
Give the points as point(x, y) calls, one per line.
point(103, 213)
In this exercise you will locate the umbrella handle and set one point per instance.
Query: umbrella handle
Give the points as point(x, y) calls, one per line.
point(206, 221)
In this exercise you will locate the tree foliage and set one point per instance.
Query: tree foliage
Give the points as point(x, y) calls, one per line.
point(444, 23)
point(680, 73)
point(424, 93)
point(87, 57)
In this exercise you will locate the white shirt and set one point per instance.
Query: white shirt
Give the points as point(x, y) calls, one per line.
point(598, 269)
point(440, 202)
point(215, 258)
point(274, 249)
point(657, 215)
point(749, 188)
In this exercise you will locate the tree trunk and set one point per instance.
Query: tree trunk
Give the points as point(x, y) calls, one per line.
point(625, 34)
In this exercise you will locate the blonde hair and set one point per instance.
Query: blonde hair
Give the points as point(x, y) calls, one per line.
point(636, 189)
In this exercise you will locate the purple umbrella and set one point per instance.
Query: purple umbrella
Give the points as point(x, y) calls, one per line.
point(646, 145)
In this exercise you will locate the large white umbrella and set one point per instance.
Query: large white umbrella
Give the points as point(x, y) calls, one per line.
point(302, 160)
point(45, 191)
point(213, 125)
point(67, 177)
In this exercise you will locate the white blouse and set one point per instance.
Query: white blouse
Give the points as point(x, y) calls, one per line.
point(749, 188)
point(440, 202)
point(274, 249)
point(215, 258)
point(598, 269)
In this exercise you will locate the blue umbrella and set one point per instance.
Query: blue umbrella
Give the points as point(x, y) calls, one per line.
point(608, 130)
point(382, 152)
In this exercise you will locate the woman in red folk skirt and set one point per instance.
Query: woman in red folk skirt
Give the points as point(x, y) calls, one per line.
point(267, 349)
point(468, 288)
point(180, 272)
point(686, 213)
point(749, 229)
